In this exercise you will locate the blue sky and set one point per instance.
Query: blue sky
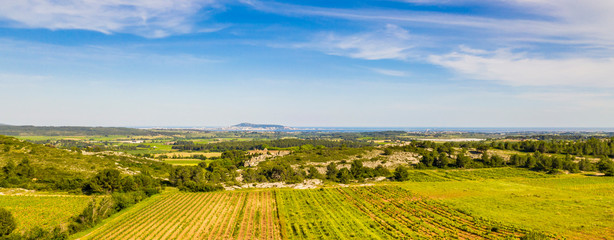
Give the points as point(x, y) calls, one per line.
point(386, 63)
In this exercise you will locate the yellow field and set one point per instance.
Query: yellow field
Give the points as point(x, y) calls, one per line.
point(43, 211)
point(189, 154)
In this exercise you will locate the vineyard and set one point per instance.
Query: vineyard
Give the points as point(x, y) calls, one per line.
point(43, 211)
point(472, 174)
point(373, 212)
point(384, 212)
point(221, 215)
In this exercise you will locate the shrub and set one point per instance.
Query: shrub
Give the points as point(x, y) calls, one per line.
point(401, 174)
point(7, 222)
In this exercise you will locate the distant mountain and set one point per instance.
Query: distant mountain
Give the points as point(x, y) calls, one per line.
point(257, 127)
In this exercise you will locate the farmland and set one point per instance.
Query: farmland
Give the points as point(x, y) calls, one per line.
point(323, 188)
point(373, 212)
point(222, 215)
point(575, 206)
point(43, 211)
point(378, 213)
point(496, 206)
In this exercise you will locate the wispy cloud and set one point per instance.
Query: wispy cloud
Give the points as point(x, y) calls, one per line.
point(572, 99)
point(389, 42)
point(389, 72)
point(149, 18)
point(564, 21)
point(13, 78)
point(520, 69)
point(52, 53)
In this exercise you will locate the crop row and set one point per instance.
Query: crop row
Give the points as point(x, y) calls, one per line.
point(221, 215)
point(472, 174)
point(382, 212)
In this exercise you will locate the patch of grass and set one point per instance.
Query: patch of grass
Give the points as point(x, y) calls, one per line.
point(43, 211)
point(574, 206)
point(186, 162)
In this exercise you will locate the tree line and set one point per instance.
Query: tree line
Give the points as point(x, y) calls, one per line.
point(272, 144)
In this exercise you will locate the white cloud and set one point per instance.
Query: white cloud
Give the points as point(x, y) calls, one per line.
point(519, 69)
point(149, 18)
point(389, 72)
point(391, 42)
point(562, 21)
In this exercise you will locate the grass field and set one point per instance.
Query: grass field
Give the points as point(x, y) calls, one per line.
point(472, 174)
point(577, 207)
point(43, 211)
point(185, 162)
point(503, 203)
point(190, 154)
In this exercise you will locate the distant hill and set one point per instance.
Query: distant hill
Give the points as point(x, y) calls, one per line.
point(62, 169)
point(257, 127)
point(71, 131)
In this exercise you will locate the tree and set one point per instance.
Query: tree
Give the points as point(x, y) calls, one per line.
point(314, 174)
point(486, 159)
point(606, 166)
point(388, 151)
point(462, 160)
point(381, 171)
point(331, 172)
point(344, 176)
point(586, 165)
point(428, 159)
point(357, 169)
point(496, 161)
point(7, 222)
point(9, 168)
point(401, 174)
point(106, 181)
point(442, 160)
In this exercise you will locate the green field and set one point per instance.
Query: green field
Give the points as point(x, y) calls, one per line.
point(472, 174)
point(185, 162)
point(381, 212)
point(43, 211)
point(477, 204)
point(574, 206)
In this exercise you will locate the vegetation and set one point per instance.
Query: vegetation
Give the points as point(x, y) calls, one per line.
point(70, 131)
point(221, 215)
point(575, 206)
point(40, 167)
point(7, 222)
point(422, 189)
point(299, 144)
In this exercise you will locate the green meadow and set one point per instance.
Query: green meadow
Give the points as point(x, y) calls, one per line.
point(574, 206)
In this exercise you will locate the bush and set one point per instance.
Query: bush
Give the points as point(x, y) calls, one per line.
point(401, 174)
point(7, 222)
point(125, 200)
point(191, 186)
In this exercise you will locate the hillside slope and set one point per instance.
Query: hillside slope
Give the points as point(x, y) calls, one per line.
point(36, 166)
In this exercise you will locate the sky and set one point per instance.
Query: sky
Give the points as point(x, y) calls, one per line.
point(378, 63)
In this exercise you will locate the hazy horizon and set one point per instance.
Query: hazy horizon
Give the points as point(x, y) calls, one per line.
point(368, 128)
point(420, 63)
